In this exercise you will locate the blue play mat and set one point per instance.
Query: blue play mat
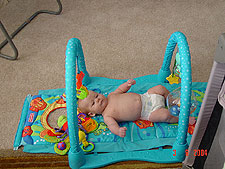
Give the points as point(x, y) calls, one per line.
point(144, 140)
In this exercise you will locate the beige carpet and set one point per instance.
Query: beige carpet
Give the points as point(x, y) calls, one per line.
point(3, 3)
point(120, 38)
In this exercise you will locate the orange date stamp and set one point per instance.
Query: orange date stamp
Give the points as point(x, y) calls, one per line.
point(196, 153)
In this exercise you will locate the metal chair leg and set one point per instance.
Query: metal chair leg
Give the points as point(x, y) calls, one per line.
point(11, 44)
point(9, 38)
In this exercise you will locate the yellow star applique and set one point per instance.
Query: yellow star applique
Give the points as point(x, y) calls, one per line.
point(173, 79)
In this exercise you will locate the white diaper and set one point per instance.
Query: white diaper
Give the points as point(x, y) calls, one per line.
point(151, 102)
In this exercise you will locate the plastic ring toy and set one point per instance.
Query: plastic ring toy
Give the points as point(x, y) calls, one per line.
point(89, 144)
point(81, 116)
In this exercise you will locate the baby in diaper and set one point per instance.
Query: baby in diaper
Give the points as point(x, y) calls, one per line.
point(122, 106)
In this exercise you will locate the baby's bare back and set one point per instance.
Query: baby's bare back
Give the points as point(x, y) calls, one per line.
point(124, 107)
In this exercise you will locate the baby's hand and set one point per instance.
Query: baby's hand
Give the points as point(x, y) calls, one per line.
point(122, 131)
point(131, 82)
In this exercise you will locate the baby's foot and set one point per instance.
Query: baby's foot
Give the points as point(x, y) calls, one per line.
point(122, 131)
point(131, 82)
point(192, 120)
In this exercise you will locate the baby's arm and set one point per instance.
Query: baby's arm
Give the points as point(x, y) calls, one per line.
point(114, 127)
point(123, 88)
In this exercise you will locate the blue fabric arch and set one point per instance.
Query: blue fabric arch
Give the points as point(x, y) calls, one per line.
point(179, 39)
point(74, 54)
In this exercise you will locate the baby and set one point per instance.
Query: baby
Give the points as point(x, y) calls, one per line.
point(122, 106)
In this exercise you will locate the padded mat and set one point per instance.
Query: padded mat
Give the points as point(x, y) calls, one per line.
point(34, 130)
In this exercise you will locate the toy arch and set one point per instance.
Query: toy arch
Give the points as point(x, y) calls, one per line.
point(77, 159)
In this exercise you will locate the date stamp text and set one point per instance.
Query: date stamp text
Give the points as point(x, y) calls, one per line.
point(196, 153)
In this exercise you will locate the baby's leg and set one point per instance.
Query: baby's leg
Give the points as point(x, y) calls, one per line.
point(159, 89)
point(162, 115)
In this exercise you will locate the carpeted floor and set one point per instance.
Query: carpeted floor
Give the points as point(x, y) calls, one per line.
point(120, 38)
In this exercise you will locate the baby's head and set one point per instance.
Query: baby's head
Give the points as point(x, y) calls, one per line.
point(94, 103)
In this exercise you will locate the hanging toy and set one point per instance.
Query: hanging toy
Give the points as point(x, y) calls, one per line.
point(63, 146)
point(173, 102)
point(82, 91)
point(88, 124)
point(175, 75)
point(84, 142)
point(82, 133)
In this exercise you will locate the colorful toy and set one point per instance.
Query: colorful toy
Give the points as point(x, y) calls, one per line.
point(173, 102)
point(88, 124)
point(63, 124)
point(61, 146)
point(84, 142)
point(82, 138)
point(82, 91)
point(175, 75)
point(91, 145)
point(175, 110)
